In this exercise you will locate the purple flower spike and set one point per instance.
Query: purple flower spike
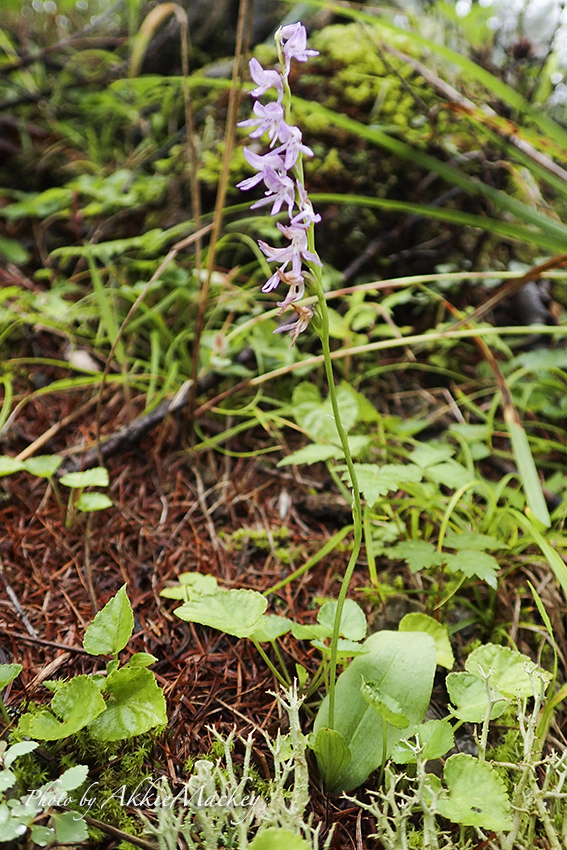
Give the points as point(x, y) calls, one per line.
point(291, 147)
point(295, 46)
point(270, 120)
point(265, 80)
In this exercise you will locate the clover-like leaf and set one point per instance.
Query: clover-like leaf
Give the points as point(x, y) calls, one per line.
point(112, 627)
point(235, 612)
point(135, 704)
point(477, 795)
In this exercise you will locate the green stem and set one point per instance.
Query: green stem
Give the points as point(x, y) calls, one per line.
point(356, 503)
point(268, 662)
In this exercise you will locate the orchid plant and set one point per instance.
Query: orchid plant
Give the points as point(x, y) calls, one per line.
point(281, 171)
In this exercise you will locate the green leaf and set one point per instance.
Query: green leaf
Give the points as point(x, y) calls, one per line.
point(96, 477)
point(93, 502)
point(526, 467)
point(9, 672)
point(310, 631)
point(472, 540)
point(70, 828)
point(474, 563)
point(235, 612)
point(43, 466)
point(451, 474)
point(418, 554)
point(315, 416)
point(353, 620)
point(9, 465)
point(509, 669)
point(403, 666)
point(469, 696)
point(274, 627)
point(17, 750)
point(141, 659)
point(41, 835)
point(7, 780)
point(313, 453)
point(431, 454)
point(77, 703)
point(190, 586)
point(112, 627)
point(436, 737)
point(332, 754)
point(275, 838)
point(135, 704)
point(477, 795)
point(73, 777)
point(417, 622)
point(13, 251)
point(375, 481)
point(345, 648)
point(387, 707)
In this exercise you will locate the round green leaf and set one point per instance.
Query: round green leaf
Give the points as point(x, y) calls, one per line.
point(436, 736)
point(9, 465)
point(477, 795)
point(70, 828)
point(353, 621)
point(274, 627)
point(235, 612)
point(468, 694)
point(417, 622)
point(8, 672)
point(135, 704)
point(509, 669)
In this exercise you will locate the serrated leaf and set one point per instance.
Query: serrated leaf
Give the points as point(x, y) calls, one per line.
point(22, 748)
point(436, 737)
point(43, 466)
point(9, 672)
point(477, 795)
point(135, 705)
point(469, 696)
point(76, 702)
point(235, 612)
point(112, 627)
point(96, 477)
point(473, 563)
point(509, 669)
point(73, 777)
point(353, 620)
point(315, 415)
point(274, 627)
point(190, 586)
point(418, 554)
point(418, 622)
point(93, 502)
point(472, 540)
point(375, 481)
point(70, 828)
point(387, 707)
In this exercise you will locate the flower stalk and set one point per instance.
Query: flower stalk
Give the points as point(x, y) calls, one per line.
point(281, 171)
